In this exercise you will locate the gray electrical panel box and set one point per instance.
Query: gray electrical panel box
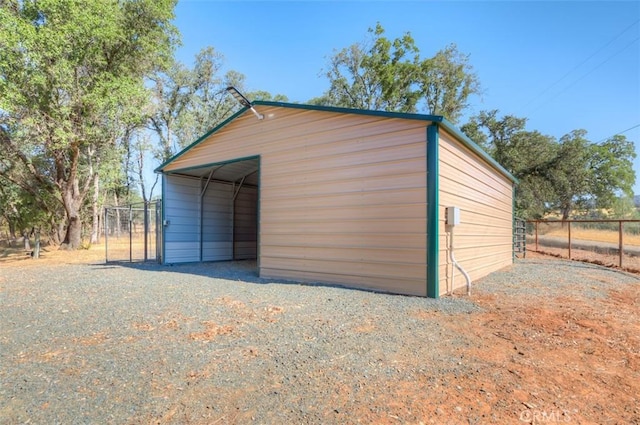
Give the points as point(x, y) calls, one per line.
point(452, 216)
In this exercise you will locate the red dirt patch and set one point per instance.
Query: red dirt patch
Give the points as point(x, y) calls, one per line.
point(211, 331)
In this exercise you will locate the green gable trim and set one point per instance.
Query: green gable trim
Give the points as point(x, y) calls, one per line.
point(211, 164)
point(202, 138)
point(433, 216)
point(473, 146)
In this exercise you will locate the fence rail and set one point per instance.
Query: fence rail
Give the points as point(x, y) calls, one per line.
point(608, 242)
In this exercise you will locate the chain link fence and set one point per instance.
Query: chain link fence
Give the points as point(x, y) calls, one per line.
point(131, 232)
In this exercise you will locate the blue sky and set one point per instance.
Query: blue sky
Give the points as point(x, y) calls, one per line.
point(563, 65)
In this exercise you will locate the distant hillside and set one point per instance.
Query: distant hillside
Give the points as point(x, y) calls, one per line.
point(636, 200)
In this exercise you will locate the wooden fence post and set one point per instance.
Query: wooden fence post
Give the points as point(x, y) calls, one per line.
point(620, 244)
point(569, 227)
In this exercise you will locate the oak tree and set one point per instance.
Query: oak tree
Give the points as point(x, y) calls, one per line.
point(68, 68)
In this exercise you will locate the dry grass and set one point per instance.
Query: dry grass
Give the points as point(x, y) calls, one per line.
point(598, 235)
point(50, 254)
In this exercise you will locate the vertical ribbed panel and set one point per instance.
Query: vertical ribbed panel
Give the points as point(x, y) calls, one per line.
point(245, 224)
point(182, 211)
point(217, 226)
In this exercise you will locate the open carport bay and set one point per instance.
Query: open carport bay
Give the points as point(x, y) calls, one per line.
point(211, 213)
point(213, 343)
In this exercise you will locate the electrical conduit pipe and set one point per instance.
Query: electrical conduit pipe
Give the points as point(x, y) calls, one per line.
point(455, 263)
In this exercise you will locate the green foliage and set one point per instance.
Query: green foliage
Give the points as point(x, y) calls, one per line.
point(612, 175)
point(266, 96)
point(69, 71)
point(446, 82)
point(623, 208)
point(556, 175)
point(189, 102)
point(389, 75)
point(569, 172)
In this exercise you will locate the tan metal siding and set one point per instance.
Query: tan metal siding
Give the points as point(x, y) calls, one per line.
point(483, 240)
point(342, 196)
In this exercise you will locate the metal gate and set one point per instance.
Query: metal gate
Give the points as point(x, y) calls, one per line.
point(519, 237)
point(131, 232)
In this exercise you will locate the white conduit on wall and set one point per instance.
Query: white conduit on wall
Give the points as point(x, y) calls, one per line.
point(455, 263)
point(452, 220)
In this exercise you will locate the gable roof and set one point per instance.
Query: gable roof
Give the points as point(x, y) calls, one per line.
point(440, 120)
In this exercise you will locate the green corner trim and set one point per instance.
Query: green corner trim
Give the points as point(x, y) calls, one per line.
point(162, 227)
point(433, 216)
point(258, 215)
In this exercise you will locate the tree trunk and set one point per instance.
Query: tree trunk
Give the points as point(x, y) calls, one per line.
point(72, 202)
point(68, 182)
point(117, 228)
point(73, 237)
point(95, 225)
point(36, 249)
point(27, 244)
point(57, 232)
point(12, 233)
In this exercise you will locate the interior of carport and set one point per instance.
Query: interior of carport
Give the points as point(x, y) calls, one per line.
point(211, 212)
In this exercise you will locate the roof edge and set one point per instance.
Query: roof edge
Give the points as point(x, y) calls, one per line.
point(159, 168)
point(474, 147)
point(447, 125)
point(450, 127)
point(369, 112)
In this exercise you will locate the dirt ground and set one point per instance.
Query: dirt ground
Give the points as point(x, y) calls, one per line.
point(566, 359)
point(543, 358)
point(629, 263)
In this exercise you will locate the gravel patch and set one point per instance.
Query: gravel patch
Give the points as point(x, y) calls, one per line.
point(157, 344)
point(213, 343)
point(556, 278)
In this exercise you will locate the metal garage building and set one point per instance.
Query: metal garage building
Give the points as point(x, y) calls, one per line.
point(343, 196)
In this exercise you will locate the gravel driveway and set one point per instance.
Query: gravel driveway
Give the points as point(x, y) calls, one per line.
point(213, 343)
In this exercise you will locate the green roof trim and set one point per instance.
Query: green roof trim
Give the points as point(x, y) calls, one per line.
point(336, 109)
point(201, 139)
point(461, 137)
point(448, 126)
point(212, 164)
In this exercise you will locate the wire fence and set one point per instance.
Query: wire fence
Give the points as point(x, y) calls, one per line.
point(613, 243)
point(131, 232)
